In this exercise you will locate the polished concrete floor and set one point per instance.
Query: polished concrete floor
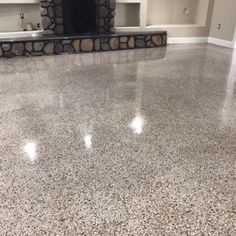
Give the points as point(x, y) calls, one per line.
point(119, 143)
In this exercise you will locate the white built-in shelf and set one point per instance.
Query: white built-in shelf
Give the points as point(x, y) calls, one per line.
point(149, 15)
point(19, 1)
point(21, 34)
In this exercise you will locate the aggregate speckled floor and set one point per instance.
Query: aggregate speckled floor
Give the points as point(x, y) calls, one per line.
point(136, 142)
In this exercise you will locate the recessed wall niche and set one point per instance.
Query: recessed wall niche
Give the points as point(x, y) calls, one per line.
point(10, 16)
point(156, 14)
point(127, 14)
point(175, 12)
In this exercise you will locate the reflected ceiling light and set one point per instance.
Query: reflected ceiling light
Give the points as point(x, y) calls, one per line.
point(88, 141)
point(137, 124)
point(30, 150)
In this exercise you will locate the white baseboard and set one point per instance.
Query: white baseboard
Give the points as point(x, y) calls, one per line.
point(187, 40)
point(221, 42)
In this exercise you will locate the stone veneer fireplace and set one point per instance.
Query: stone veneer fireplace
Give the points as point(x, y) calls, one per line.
point(72, 16)
point(79, 26)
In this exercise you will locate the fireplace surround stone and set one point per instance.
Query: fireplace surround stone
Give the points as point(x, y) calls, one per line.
point(52, 16)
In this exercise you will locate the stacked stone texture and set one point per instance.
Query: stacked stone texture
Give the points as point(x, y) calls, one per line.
point(48, 17)
point(58, 14)
point(52, 16)
point(105, 15)
point(50, 46)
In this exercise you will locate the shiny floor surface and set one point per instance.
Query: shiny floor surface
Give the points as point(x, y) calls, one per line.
point(136, 142)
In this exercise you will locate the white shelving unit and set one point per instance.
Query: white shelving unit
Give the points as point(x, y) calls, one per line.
point(149, 15)
point(10, 21)
point(126, 6)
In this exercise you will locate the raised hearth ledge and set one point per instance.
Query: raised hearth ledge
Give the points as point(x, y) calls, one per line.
point(51, 45)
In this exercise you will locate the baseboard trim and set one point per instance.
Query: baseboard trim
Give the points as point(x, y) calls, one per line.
point(215, 41)
point(187, 40)
point(221, 42)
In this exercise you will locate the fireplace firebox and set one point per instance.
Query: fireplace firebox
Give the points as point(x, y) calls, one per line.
point(79, 16)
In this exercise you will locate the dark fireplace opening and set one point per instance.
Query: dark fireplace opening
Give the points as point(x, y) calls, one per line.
point(79, 16)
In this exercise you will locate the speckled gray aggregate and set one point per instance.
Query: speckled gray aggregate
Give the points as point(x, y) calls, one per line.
point(136, 142)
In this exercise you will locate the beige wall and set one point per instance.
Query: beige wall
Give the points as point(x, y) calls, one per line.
point(202, 11)
point(193, 31)
point(224, 14)
point(171, 12)
point(127, 14)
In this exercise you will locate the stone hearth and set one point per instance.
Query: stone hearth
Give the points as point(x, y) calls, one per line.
point(52, 16)
point(49, 45)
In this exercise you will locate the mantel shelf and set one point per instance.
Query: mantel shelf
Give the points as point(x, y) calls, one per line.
point(19, 1)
